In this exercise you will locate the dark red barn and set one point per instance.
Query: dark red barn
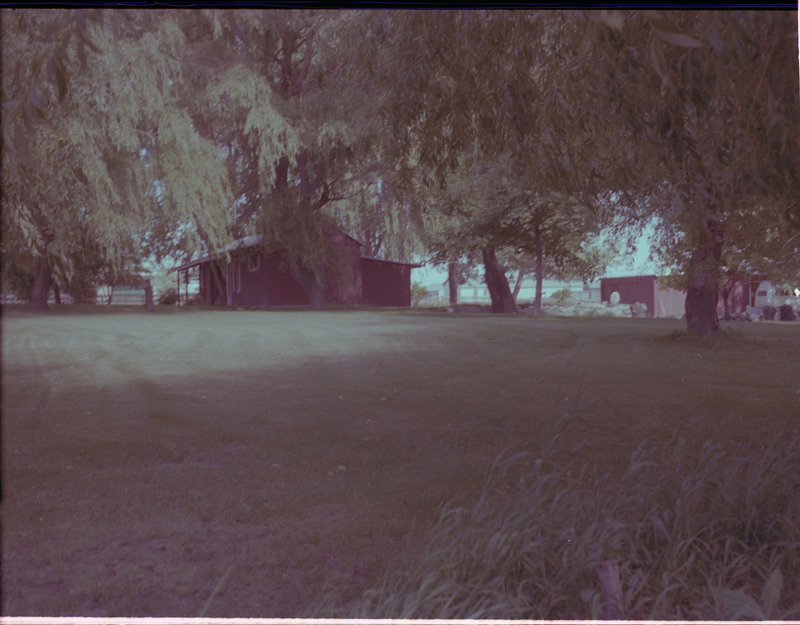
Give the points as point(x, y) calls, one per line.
point(257, 279)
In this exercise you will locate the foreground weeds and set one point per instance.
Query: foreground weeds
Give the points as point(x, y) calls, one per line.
point(680, 534)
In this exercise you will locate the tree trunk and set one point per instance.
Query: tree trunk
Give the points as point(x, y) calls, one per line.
point(539, 271)
point(726, 291)
point(148, 297)
point(41, 285)
point(452, 283)
point(702, 286)
point(77, 287)
point(315, 286)
point(318, 296)
point(502, 300)
point(56, 293)
point(518, 285)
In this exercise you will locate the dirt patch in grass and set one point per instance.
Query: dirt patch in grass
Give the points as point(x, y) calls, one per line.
point(267, 461)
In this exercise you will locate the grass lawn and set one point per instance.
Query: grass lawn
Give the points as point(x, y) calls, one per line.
point(262, 463)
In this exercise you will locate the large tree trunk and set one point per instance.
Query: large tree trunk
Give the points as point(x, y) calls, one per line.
point(56, 293)
point(496, 281)
point(315, 286)
point(452, 283)
point(702, 291)
point(314, 283)
point(41, 285)
point(539, 272)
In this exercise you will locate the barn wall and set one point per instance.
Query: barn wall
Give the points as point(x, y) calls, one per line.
point(631, 289)
point(385, 283)
point(259, 281)
point(254, 272)
point(284, 290)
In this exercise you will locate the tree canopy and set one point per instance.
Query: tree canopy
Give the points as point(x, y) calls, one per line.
point(129, 134)
point(712, 100)
point(690, 113)
point(99, 150)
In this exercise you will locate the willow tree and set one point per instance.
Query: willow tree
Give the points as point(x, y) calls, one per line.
point(712, 98)
point(99, 143)
point(322, 176)
point(503, 85)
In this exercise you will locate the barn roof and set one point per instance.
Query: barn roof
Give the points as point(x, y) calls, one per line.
point(194, 263)
point(239, 244)
point(254, 240)
point(393, 262)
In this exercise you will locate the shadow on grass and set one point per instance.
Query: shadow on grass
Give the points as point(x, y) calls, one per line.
point(265, 459)
point(136, 496)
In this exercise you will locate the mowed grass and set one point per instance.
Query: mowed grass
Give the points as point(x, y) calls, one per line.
point(225, 463)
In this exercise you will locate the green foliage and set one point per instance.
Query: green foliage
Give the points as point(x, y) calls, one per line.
point(681, 528)
point(17, 281)
point(739, 604)
point(418, 293)
point(129, 134)
point(561, 297)
point(704, 93)
point(169, 297)
point(504, 168)
point(113, 149)
point(786, 313)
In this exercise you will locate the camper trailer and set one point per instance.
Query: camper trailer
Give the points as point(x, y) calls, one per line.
point(769, 294)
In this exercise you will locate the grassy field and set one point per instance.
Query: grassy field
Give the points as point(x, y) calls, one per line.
point(225, 463)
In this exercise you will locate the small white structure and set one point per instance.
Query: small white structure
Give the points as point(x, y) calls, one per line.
point(768, 294)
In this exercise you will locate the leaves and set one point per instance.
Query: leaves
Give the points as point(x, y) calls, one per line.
point(739, 604)
point(183, 129)
point(672, 523)
point(88, 168)
point(771, 593)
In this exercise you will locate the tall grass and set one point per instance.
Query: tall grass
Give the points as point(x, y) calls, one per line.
point(680, 533)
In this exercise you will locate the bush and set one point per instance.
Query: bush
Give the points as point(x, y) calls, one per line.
point(685, 534)
point(195, 299)
point(768, 313)
point(418, 293)
point(18, 282)
point(787, 313)
point(169, 297)
point(561, 297)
